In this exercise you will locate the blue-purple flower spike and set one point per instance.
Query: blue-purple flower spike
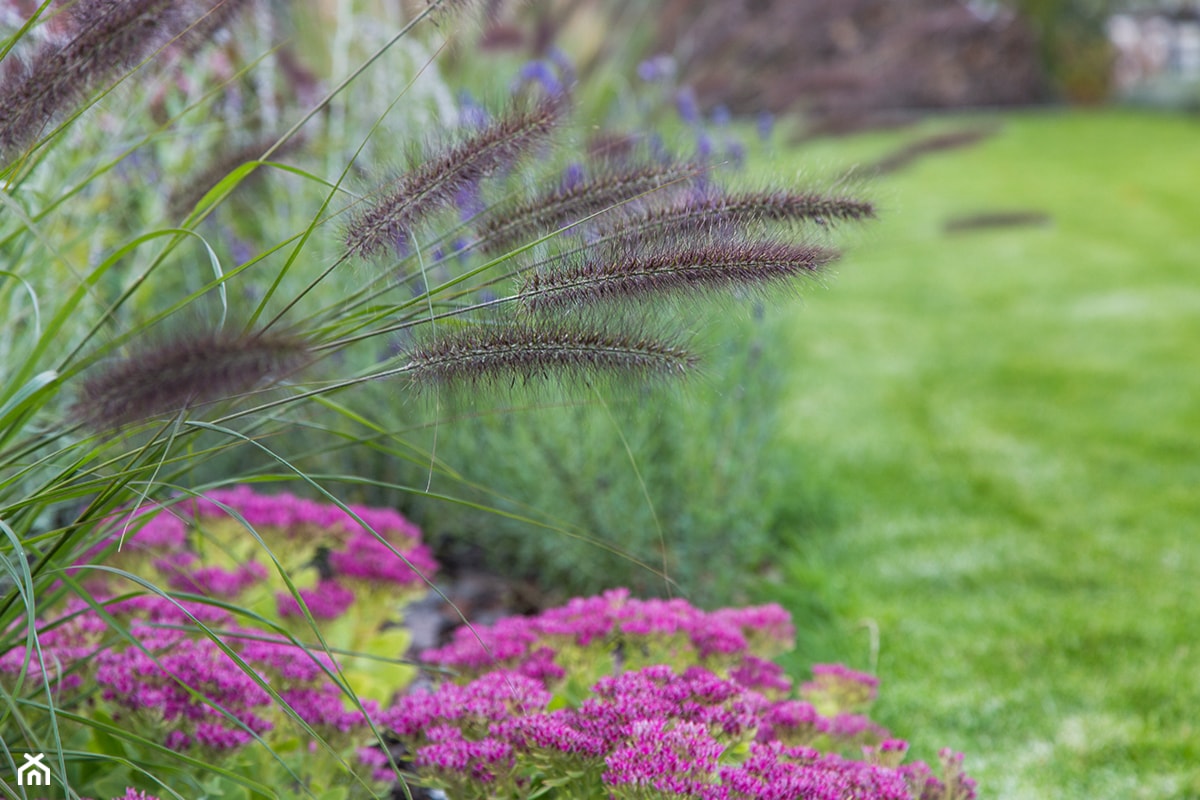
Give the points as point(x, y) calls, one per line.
point(687, 106)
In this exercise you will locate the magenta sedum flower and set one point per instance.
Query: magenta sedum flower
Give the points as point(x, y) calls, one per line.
point(662, 730)
point(134, 794)
point(296, 516)
point(840, 687)
point(214, 582)
point(154, 678)
point(729, 636)
point(327, 600)
point(66, 643)
point(366, 558)
point(450, 752)
point(663, 754)
point(492, 698)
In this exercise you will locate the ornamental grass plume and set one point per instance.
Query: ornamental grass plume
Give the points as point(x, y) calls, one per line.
point(558, 349)
point(188, 370)
point(633, 273)
point(435, 182)
point(105, 41)
point(509, 224)
point(719, 210)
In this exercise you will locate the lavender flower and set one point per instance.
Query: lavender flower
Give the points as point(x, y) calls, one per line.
point(656, 69)
point(470, 113)
point(540, 72)
point(687, 106)
point(765, 125)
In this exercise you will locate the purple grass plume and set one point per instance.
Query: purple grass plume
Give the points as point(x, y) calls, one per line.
point(716, 211)
point(636, 273)
point(553, 349)
point(435, 183)
point(108, 40)
point(186, 371)
point(511, 225)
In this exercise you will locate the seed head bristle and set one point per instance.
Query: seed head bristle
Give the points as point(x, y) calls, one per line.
point(434, 184)
point(553, 350)
point(187, 371)
point(110, 38)
point(633, 273)
point(511, 224)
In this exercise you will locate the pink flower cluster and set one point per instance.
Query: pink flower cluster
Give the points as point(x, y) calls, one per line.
point(388, 552)
point(161, 676)
point(327, 600)
point(200, 695)
point(839, 686)
point(776, 772)
point(392, 554)
point(733, 637)
point(298, 516)
point(797, 722)
point(649, 730)
point(74, 637)
point(658, 730)
point(148, 528)
point(183, 575)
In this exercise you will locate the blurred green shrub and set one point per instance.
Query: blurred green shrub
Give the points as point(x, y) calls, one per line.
point(694, 486)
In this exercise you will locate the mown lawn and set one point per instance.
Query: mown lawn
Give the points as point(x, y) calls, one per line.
point(1005, 428)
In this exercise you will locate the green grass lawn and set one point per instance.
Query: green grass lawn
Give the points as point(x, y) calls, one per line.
point(1005, 425)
